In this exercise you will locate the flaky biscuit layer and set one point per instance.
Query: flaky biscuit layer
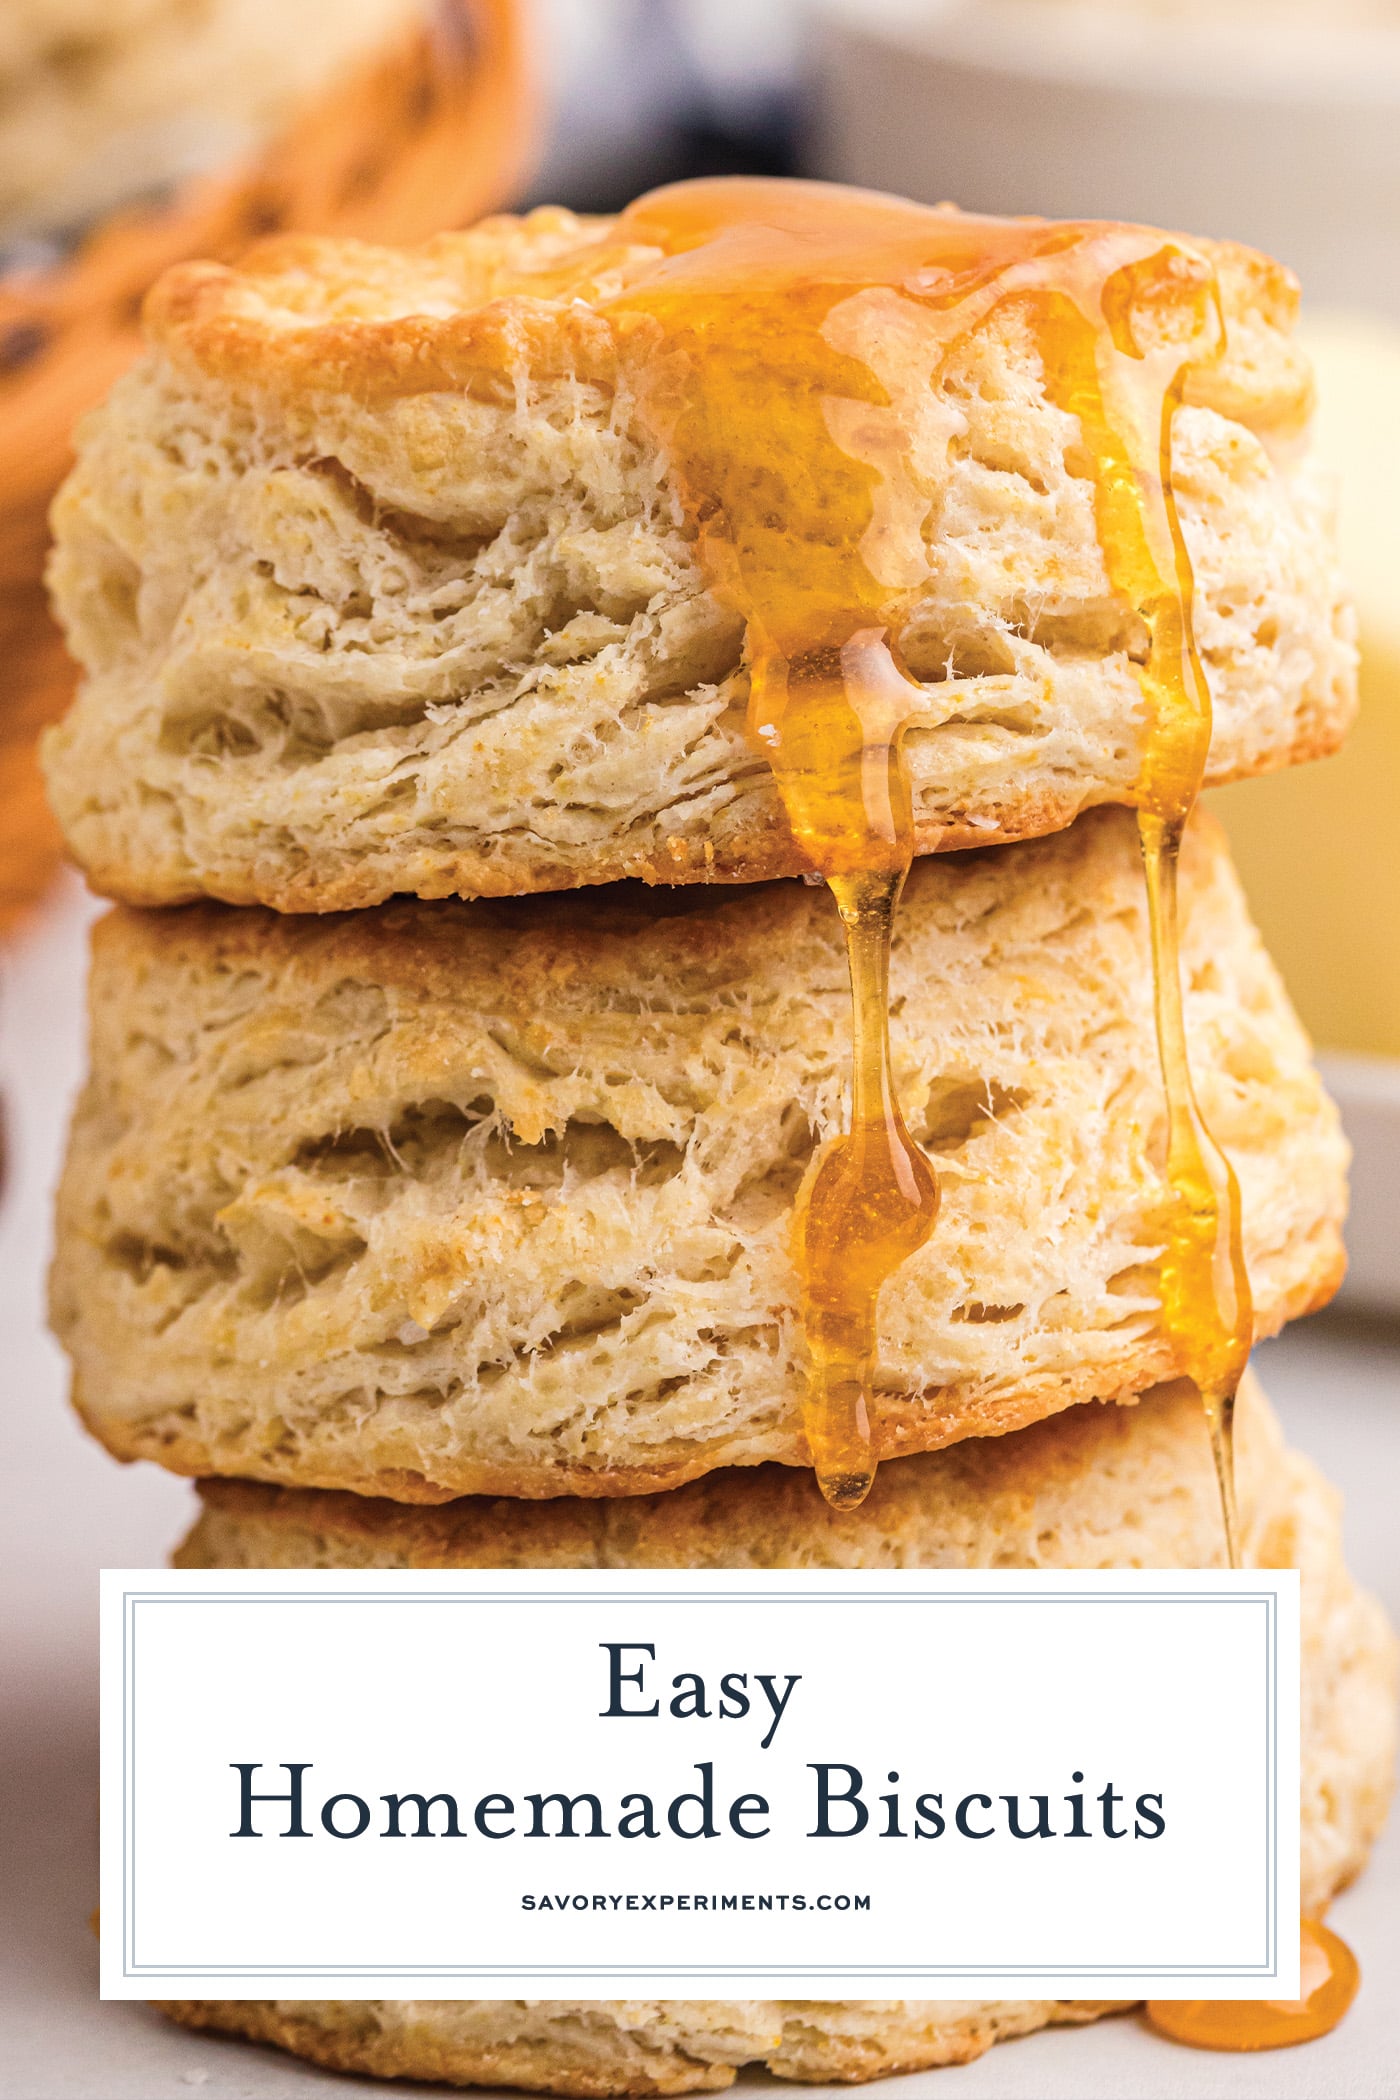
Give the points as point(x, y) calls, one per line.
point(382, 585)
point(497, 1198)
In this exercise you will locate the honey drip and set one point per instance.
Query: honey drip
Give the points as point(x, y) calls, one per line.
point(786, 341)
point(869, 1207)
point(1125, 400)
point(832, 721)
point(1206, 1305)
point(1328, 1980)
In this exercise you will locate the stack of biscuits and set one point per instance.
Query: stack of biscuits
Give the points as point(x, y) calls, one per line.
point(464, 1035)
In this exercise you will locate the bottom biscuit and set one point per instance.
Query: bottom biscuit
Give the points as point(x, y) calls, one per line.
point(634, 2045)
point(1096, 1487)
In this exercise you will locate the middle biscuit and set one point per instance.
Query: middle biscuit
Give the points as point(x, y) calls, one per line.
point(445, 1199)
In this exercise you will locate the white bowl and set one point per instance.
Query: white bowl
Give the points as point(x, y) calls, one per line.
point(1287, 138)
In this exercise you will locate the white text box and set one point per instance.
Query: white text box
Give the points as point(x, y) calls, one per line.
point(936, 1784)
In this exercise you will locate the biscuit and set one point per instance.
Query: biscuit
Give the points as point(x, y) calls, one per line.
point(1099, 1487)
point(594, 2048)
point(496, 1198)
point(101, 99)
point(382, 585)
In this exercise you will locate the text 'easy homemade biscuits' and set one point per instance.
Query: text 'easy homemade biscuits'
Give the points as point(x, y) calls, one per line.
point(1098, 1487)
point(383, 581)
point(498, 1198)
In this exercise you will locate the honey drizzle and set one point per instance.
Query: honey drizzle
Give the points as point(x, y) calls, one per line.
point(1329, 1979)
point(785, 346)
point(1207, 1309)
point(870, 1205)
point(1206, 1304)
point(833, 720)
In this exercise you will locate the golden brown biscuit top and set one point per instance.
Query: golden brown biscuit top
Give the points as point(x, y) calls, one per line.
point(300, 312)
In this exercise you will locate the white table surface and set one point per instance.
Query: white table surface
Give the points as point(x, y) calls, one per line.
point(66, 1510)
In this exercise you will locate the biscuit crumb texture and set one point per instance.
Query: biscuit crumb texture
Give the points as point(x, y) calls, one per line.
point(497, 1198)
point(381, 585)
point(1097, 1487)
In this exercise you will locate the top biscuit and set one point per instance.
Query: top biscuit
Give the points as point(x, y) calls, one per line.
point(383, 583)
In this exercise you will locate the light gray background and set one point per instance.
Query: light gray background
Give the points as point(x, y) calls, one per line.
point(66, 1510)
